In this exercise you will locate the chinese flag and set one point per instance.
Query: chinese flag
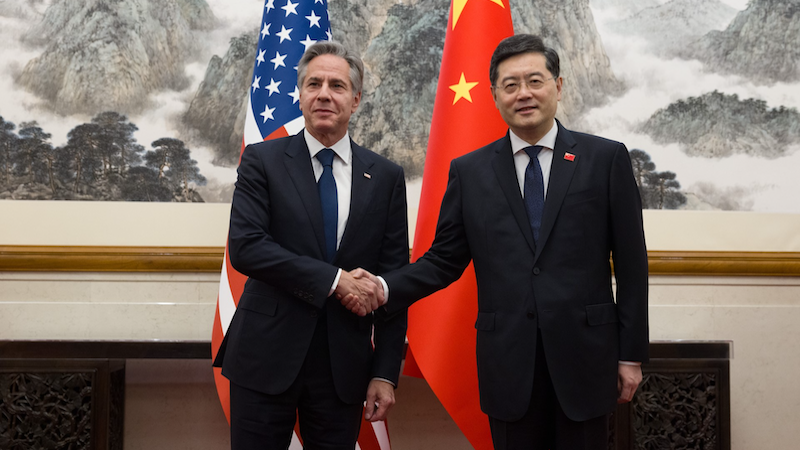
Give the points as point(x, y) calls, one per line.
point(441, 331)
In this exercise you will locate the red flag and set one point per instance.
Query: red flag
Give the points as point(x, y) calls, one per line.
point(273, 112)
point(441, 332)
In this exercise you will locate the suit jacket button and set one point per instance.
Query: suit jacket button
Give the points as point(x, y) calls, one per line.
point(531, 315)
point(536, 271)
point(314, 314)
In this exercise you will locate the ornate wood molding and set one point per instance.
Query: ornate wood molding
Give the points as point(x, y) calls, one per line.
point(110, 259)
point(765, 264)
point(25, 258)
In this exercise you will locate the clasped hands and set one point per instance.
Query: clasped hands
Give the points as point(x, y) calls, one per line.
point(360, 292)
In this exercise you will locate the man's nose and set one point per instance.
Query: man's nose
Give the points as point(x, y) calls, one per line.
point(324, 91)
point(525, 90)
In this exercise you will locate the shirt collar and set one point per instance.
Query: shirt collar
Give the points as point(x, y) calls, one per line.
point(341, 147)
point(547, 141)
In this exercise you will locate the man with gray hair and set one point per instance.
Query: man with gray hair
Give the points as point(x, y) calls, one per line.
point(306, 210)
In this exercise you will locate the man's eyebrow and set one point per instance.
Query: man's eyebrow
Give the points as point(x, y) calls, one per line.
point(331, 80)
point(527, 75)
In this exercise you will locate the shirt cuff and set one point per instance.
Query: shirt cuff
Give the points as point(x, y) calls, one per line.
point(384, 380)
point(385, 290)
point(335, 282)
point(630, 363)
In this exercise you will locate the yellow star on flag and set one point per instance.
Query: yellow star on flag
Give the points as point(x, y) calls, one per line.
point(458, 8)
point(462, 89)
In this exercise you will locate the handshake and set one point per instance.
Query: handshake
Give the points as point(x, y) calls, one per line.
point(360, 292)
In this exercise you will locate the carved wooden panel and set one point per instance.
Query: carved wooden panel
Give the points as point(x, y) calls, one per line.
point(680, 405)
point(61, 404)
point(45, 410)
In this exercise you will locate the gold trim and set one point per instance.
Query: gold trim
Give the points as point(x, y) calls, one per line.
point(764, 264)
point(110, 259)
point(209, 259)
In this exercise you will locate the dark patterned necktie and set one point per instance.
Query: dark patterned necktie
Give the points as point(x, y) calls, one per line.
point(328, 198)
point(534, 190)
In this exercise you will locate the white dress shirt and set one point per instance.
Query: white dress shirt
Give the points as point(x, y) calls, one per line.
point(545, 157)
point(342, 176)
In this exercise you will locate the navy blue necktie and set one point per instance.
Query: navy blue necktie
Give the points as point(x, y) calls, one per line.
point(328, 198)
point(534, 190)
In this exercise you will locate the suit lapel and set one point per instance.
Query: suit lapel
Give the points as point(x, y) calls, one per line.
point(561, 172)
point(361, 193)
point(507, 177)
point(298, 164)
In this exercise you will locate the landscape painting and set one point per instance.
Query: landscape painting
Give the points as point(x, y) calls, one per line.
point(145, 100)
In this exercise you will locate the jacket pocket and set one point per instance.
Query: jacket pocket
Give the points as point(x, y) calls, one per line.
point(258, 303)
point(601, 314)
point(485, 321)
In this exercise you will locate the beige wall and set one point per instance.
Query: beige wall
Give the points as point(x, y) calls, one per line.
point(172, 404)
point(206, 225)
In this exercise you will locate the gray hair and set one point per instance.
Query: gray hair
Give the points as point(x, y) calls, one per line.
point(320, 48)
point(520, 44)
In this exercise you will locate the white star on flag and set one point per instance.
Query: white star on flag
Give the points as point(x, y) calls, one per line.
point(313, 20)
point(284, 34)
point(260, 57)
point(290, 8)
point(295, 95)
point(256, 83)
point(273, 87)
point(307, 42)
point(278, 60)
point(270, 5)
point(267, 114)
point(265, 30)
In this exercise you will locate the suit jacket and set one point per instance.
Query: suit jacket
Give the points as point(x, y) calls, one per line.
point(562, 285)
point(276, 238)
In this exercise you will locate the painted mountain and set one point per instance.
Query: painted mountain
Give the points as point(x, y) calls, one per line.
point(716, 125)
point(670, 27)
point(761, 44)
point(623, 8)
point(108, 55)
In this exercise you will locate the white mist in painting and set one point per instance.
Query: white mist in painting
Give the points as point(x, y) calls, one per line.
point(762, 180)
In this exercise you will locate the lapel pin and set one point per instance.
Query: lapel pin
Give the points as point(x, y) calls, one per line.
point(367, 176)
point(569, 156)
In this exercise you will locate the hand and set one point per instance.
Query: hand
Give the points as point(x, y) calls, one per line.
point(380, 397)
point(628, 380)
point(359, 296)
point(361, 273)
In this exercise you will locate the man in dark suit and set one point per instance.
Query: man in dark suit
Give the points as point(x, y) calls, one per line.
point(540, 212)
point(305, 208)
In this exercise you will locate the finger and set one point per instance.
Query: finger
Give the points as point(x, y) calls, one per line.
point(369, 302)
point(358, 273)
point(349, 302)
point(380, 412)
point(627, 393)
point(369, 406)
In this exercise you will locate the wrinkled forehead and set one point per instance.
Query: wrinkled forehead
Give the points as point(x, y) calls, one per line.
point(328, 67)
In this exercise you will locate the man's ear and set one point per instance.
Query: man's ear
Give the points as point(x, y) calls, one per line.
point(356, 102)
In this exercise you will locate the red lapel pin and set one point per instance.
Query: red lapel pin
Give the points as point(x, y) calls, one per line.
point(569, 156)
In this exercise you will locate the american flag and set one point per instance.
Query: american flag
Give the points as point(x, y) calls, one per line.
point(287, 30)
